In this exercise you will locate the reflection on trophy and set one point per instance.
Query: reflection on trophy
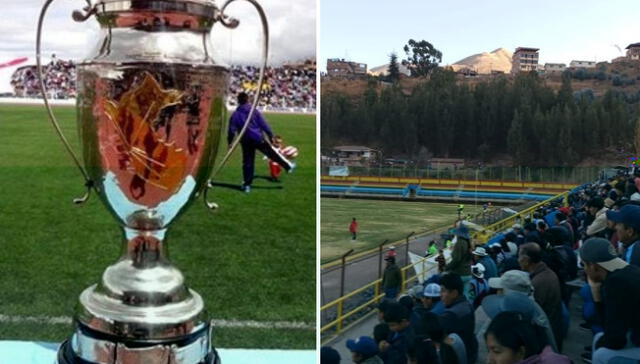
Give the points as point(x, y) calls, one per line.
point(151, 111)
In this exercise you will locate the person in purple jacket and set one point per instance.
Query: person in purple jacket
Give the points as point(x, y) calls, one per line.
point(253, 139)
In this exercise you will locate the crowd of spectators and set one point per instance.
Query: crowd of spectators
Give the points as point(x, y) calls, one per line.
point(286, 88)
point(59, 76)
point(290, 88)
point(508, 299)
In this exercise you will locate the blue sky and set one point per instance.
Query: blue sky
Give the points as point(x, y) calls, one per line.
point(367, 31)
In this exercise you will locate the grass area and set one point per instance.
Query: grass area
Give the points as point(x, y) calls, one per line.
point(378, 220)
point(253, 259)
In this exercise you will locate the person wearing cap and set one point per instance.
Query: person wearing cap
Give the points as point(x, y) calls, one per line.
point(516, 229)
point(460, 263)
point(431, 298)
point(391, 279)
point(364, 350)
point(458, 315)
point(615, 286)
point(418, 310)
point(627, 227)
point(546, 286)
point(480, 256)
point(596, 208)
point(513, 282)
point(479, 287)
point(329, 355)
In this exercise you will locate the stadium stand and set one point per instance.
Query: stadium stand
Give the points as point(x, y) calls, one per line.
point(289, 88)
point(586, 244)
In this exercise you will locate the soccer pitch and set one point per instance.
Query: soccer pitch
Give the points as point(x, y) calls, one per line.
point(253, 260)
point(379, 220)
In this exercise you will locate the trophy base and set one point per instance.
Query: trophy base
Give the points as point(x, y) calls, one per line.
point(109, 350)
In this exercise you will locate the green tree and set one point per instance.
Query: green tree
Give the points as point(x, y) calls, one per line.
point(393, 69)
point(422, 57)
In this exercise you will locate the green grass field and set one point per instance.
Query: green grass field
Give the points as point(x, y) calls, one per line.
point(378, 220)
point(253, 259)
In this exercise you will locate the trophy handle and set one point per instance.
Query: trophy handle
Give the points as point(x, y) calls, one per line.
point(78, 16)
point(232, 23)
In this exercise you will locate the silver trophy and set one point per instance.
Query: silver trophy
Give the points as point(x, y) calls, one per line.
point(151, 113)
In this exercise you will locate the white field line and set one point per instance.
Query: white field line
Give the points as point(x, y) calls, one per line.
point(217, 323)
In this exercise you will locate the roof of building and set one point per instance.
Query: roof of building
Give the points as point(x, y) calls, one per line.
point(555, 64)
point(353, 148)
point(576, 61)
point(633, 45)
point(526, 49)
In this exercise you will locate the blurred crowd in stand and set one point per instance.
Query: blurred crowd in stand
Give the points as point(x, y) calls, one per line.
point(289, 88)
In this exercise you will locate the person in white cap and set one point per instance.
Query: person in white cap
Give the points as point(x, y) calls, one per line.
point(615, 286)
point(516, 285)
point(479, 287)
point(479, 255)
point(431, 298)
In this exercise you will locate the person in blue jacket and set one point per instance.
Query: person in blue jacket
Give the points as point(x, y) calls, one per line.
point(253, 139)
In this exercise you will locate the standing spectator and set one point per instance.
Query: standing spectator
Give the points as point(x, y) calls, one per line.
point(253, 139)
point(480, 255)
point(364, 351)
point(628, 230)
point(391, 279)
point(596, 208)
point(353, 229)
point(458, 316)
point(442, 262)
point(433, 248)
point(615, 286)
point(461, 257)
point(546, 287)
point(561, 220)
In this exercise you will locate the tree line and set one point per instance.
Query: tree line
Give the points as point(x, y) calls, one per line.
point(445, 118)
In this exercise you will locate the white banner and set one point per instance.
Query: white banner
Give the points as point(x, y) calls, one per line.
point(339, 171)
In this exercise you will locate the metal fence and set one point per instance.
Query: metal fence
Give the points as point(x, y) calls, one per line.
point(343, 312)
point(520, 174)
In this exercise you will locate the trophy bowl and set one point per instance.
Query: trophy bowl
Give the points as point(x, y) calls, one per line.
point(150, 113)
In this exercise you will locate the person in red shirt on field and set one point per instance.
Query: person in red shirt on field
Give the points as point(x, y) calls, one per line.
point(353, 229)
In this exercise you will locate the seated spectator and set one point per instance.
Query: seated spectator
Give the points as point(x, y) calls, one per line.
point(627, 227)
point(364, 351)
point(561, 220)
point(381, 332)
point(561, 259)
point(615, 286)
point(596, 208)
point(480, 255)
point(546, 285)
point(458, 315)
point(479, 287)
point(329, 355)
point(510, 283)
point(516, 229)
point(511, 339)
point(531, 234)
point(433, 346)
point(398, 348)
point(431, 298)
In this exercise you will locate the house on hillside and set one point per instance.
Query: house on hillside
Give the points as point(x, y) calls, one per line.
point(633, 51)
point(340, 68)
point(582, 64)
point(554, 67)
point(355, 155)
point(525, 60)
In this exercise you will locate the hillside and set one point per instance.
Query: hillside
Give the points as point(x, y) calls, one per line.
point(484, 63)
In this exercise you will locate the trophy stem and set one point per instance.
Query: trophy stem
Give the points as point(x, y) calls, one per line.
point(141, 310)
